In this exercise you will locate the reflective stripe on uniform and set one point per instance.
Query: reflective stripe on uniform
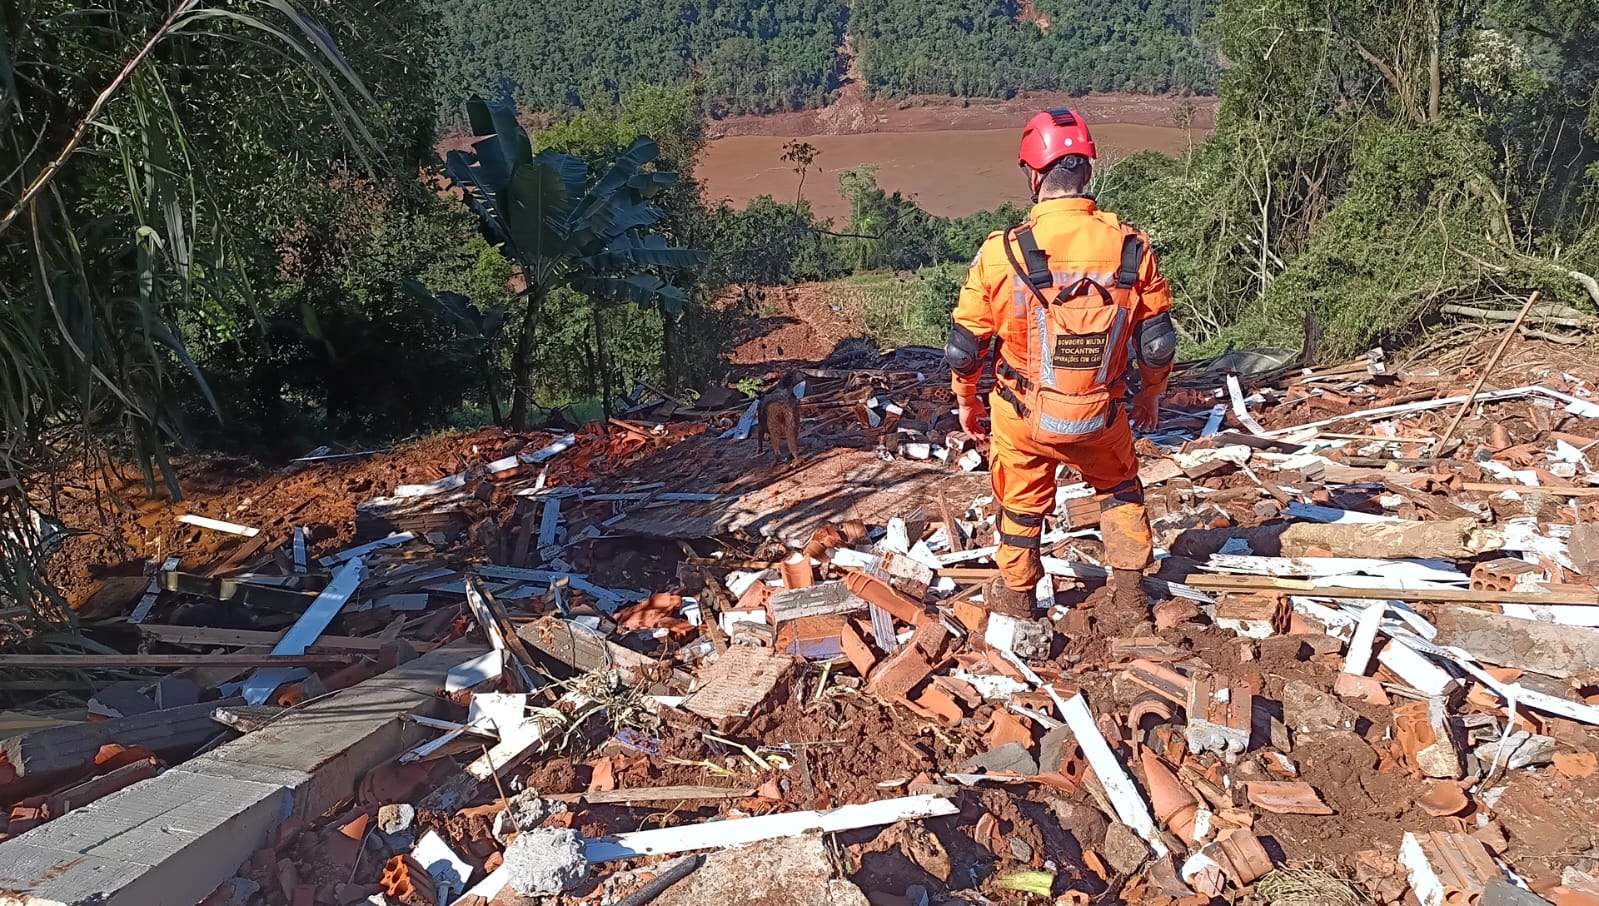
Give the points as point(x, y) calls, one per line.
point(1116, 327)
point(1071, 428)
point(1046, 367)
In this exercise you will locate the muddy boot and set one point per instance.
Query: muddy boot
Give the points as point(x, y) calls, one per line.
point(1001, 598)
point(1128, 603)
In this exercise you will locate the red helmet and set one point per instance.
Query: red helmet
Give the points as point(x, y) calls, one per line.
point(1052, 135)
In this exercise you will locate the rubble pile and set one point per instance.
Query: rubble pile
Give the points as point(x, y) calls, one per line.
point(647, 665)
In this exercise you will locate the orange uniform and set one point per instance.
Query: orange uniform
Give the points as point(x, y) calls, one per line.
point(1073, 297)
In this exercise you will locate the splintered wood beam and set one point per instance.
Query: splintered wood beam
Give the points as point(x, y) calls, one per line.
point(173, 661)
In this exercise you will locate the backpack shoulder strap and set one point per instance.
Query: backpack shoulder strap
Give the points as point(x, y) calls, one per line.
point(1132, 257)
point(1036, 272)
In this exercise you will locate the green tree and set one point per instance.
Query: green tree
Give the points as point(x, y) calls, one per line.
point(1381, 167)
point(114, 236)
point(563, 230)
point(801, 155)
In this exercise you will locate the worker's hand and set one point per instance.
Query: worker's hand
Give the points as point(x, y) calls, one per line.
point(1146, 411)
point(973, 414)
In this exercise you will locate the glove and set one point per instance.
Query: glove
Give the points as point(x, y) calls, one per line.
point(972, 415)
point(1146, 410)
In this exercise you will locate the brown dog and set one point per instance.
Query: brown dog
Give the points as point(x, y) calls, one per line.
point(778, 413)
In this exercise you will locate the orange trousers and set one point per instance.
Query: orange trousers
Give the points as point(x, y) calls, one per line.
point(1023, 472)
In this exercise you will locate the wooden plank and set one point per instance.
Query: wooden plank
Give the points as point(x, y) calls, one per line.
point(199, 636)
point(1489, 487)
point(522, 659)
point(175, 661)
point(217, 525)
point(285, 600)
point(1553, 595)
point(524, 541)
point(655, 794)
point(580, 649)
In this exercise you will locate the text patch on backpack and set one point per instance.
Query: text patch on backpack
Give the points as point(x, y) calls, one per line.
point(1079, 352)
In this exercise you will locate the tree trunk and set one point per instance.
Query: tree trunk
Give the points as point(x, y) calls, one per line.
point(599, 350)
point(493, 388)
point(670, 372)
point(522, 361)
point(1435, 86)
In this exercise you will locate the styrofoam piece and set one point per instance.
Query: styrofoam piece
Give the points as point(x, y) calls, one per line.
point(1525, 536)
point(496, 709)
point(849, 558)
point(897, 538)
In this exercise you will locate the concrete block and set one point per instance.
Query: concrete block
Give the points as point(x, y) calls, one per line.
point(171, 840)
point(168, 841)
point(69, 747)
point(320, 752)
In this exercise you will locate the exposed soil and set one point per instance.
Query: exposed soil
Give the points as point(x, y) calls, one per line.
point(804, 323)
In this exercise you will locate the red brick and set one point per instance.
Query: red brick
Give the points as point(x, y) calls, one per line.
point(899, 673)
point(935, 703)
point(880, 593)
point(1007, 727)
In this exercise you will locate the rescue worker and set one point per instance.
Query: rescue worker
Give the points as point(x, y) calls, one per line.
point(1070, 298)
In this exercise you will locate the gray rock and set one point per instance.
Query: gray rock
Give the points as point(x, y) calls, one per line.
point(1010, 758)
point(1124, 849)
point(1307, 709)
point(1500, 892)
point(1052, 750)
point(396, 819)
point(1518, 750)
point(546, 862)
point(527, 810)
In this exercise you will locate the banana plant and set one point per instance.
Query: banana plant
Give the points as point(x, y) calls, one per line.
point(564, 229)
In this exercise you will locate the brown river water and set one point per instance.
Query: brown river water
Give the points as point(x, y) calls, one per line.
point(948, 172)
